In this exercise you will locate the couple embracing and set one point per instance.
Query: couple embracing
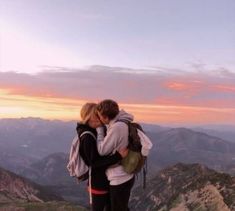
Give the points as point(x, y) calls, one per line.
point(102, 148)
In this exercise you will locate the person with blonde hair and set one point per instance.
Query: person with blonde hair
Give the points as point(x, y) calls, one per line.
point(98, 183)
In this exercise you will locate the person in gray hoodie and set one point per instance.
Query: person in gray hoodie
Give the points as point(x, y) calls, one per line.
point(115, 139)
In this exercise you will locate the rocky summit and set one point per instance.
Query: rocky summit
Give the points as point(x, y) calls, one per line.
point(186, 187)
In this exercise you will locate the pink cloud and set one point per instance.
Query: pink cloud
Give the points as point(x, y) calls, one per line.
point(225, 88)
point(128, 86)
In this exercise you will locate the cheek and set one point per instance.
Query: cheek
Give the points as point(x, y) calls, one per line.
point(96, 122)
point(93, 124)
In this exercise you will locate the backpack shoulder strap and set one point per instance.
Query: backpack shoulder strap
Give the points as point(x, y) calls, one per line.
point(124, 121)
point(88, 132)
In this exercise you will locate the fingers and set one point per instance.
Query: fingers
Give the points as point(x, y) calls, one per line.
point(123, 152)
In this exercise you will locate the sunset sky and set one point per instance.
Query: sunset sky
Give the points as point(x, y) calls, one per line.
point(167, 62)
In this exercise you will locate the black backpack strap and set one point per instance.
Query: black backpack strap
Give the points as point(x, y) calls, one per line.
point(144, 173)
point(122, 120)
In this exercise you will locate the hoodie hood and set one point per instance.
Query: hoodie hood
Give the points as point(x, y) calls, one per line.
point(123, 116)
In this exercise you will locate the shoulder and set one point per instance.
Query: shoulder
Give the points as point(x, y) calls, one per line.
point(87, 141)
point(83, 129)
point(87, 136)
point(119, 128)
point(119, 125)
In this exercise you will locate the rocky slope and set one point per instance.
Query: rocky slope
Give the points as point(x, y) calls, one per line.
point(14, 188)
point(46, 206)
point(186, 187)
point(20, 194)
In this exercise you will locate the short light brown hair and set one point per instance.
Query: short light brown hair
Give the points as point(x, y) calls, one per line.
point(87, 111)
point(108, 108)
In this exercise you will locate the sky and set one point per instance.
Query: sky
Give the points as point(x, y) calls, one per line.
point(165, 61)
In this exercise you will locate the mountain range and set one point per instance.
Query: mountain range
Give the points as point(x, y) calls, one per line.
point(228, 135)
point(38, 149)
point(35, 137)
point(185, 145)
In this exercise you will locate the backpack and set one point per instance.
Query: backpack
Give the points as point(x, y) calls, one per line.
point(139, 146)
point(76, 165)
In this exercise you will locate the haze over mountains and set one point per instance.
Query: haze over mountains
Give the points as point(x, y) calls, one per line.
point(185, 145)
point(38, 149)
point(36, 137)
point(226, 133)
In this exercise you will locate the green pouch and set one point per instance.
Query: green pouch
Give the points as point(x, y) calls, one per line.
point(131, 161)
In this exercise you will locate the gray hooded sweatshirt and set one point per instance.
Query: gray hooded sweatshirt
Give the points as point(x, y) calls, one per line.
point(116, 139)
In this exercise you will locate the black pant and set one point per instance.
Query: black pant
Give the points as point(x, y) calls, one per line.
point(101, 202)
point(120, 195)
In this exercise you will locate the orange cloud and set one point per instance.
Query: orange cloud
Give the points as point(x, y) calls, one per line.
point(180, 114)
point(16, 106)
point(183, 101)
point(189, 85)
point(68, 109)
point(32, 91)
point(178, 86)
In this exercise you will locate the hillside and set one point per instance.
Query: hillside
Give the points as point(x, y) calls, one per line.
point(46, 206)
point(20, 194)
point(14, 188)
point(185, 187)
